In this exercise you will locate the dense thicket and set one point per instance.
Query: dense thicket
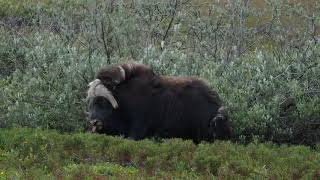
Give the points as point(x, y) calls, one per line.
point(263, 59)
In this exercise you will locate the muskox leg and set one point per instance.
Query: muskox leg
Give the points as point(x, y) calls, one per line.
point(197, 137)
point(137, 131)
point(196, 140)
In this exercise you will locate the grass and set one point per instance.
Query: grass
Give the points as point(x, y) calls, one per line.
point(35, 153)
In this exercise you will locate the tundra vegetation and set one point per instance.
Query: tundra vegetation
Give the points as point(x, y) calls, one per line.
point(262, 57)
point(48, 154)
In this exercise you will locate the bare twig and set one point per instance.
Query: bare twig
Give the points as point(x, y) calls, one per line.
point(171, 21)
point(241, 28)
point(103, 37)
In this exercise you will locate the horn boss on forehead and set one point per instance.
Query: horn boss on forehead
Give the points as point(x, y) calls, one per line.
point(116, 74)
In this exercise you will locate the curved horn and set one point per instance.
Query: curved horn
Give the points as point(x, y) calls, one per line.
point(122, 73)
point(221, 110)
point(96, 88)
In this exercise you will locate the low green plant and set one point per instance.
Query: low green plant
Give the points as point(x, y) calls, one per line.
point(34, 153)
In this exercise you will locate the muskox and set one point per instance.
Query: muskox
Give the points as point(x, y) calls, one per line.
point(132, 101)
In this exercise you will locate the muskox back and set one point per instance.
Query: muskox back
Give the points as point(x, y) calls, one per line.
point(168, 107)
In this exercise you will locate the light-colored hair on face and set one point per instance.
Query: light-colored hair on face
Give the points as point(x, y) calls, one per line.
point(96, 88)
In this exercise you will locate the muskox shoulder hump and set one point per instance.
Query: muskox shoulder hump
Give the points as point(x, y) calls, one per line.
point(114, 75)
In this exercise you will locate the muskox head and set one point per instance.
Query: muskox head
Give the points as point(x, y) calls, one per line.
point(101, 105)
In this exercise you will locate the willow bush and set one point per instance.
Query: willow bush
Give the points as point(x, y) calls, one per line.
point(263, 61)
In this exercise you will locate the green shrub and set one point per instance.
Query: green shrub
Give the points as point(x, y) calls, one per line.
point(265, 69)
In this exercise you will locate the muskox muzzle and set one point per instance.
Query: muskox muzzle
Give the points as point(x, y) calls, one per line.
point(95, 125)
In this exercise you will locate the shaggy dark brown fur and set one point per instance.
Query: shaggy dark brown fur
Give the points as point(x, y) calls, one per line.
point(116, 74)
point(152, 105)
